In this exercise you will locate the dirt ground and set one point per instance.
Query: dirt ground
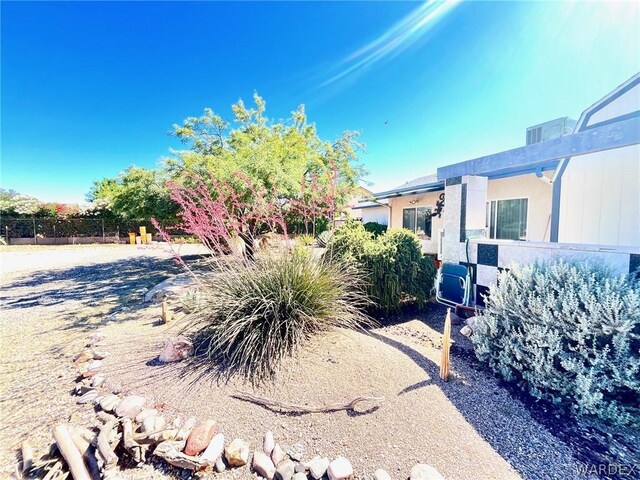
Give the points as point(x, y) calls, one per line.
point(468, 428)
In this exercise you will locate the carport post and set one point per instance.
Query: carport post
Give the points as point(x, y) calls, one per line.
point(35, 236)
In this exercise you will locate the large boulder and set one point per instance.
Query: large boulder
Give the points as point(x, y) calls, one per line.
point(171, 287)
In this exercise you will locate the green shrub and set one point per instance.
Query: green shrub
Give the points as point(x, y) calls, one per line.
point(252, 315)
point(376, 228)
point(305, 240)
point(568, 333)
point(396, 268)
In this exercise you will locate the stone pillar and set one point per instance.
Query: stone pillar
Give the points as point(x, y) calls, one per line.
point(464, 215)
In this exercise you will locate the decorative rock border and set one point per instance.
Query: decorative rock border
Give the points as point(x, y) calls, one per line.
point(132, 429)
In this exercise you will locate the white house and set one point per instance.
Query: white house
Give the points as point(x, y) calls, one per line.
point(573, 191)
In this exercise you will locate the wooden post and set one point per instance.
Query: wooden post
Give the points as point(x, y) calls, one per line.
point(167, 315)
point(446, 347)
point(70, 453)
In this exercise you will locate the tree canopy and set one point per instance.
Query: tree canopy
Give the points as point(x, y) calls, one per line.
point(285, 158)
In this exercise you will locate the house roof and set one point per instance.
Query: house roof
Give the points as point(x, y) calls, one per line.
point(370, 204)
point(427, 183)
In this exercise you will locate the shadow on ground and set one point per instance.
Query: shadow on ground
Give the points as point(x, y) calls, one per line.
point(80, 294)
point(590, 443)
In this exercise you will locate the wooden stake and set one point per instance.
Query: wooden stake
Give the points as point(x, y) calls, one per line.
point(167, 314)
point(446, 347)
point(27, 456)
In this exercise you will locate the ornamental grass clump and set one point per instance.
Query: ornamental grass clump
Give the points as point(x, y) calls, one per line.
point(568, 333)
point(254, 314)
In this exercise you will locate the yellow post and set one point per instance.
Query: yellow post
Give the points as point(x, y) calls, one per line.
point(446, 347)
point(143, 234)
point(132, 238)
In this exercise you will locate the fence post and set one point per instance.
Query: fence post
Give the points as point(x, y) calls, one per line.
point(35, 234)
point(6, 229)
point(104, 240)
point(55, 239)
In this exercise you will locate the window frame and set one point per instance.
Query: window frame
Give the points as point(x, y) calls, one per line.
point(488, 223)
point(415, 221)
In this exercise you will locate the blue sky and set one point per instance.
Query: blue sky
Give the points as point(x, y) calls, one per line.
point(90, 88)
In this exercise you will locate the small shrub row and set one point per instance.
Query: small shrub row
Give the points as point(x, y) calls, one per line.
point(568, 333)
point(397, 270)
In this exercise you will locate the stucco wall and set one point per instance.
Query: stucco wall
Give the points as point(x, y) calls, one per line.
point(375, 214)
point(422, 200)
point(539, 194)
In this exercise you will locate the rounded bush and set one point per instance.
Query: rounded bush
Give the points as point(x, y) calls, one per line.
point(397, 270)
point(568, 333)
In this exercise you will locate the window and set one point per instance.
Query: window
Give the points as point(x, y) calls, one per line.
point(507, 219)
point(418, 220)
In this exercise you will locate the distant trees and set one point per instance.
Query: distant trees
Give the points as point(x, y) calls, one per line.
point(137, 194)
point(286, 161)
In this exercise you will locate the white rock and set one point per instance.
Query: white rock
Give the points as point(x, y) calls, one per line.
point(340, 469)
point(109, 402)
point(277, 455)
point(299, 476)
point(269, 443)
point(466, 331)
point(146, 412)
point(176, 349)
point(220, 465)
point(285, 470)
point(99, 355)
point(130, 406)
point(170, 287)
point(237, 453)
point(318, 466)
point(95, 365)
point(425, 472)
point(214, 450)
point(154, 423)
point(381, 474)
point(263, 465)
point(98, 381)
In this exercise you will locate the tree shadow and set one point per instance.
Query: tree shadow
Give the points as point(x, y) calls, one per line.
point(491, 406)
point(82, 294)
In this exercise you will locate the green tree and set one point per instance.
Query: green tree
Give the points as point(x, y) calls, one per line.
point(281, 156)
point(137, 194)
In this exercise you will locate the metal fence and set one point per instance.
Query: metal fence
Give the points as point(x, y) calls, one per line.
point(39, 230)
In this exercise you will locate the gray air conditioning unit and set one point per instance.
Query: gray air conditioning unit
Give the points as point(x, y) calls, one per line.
point(551, 129)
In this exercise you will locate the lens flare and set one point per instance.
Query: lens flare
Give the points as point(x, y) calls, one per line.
point(401, 35)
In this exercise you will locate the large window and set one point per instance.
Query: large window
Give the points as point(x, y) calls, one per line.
point(418, 220)
point(507, 219)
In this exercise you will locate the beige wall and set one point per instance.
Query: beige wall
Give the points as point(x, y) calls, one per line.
point(539, 194)
point(422, 200)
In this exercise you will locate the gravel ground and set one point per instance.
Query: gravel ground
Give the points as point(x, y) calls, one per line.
point(471, 427)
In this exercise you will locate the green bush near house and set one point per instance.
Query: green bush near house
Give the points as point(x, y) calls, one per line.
point(398, 272)
point(376, 228)
point(251, 315)
point(568, 333)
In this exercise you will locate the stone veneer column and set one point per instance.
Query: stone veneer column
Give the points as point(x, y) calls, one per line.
point(464, 214)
